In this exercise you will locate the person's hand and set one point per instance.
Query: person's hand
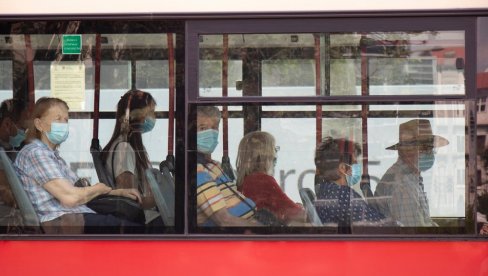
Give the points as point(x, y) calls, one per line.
point(484, 229)
point(130, 193)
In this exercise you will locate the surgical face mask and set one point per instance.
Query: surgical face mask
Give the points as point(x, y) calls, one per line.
point(355, 176)
point(59, 133)
point(148, 124)
point(16, 140)
point(207, 140)
point(426, 161)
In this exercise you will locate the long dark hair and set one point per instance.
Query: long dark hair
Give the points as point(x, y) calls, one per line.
point(128, 126)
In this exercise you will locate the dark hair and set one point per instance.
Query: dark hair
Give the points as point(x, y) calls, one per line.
point(331, 153)
point(128, 126)
point(12, 108)
point(40, 109)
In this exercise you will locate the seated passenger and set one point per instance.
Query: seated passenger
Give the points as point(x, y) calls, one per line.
point(49, 181)
point(337, 169)
point(218, 201)
point(256, 160)
point(402, 185)
point(124, 155)
point(13, 122)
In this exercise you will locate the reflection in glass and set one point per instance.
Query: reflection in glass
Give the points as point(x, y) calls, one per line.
point(443, 182)
point(379, 63)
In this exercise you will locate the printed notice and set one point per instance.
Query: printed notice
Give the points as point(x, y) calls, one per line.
point(68, 83)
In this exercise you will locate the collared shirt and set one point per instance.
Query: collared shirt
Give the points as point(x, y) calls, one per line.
point(215, 190)
point(36, 165)
point(340, 204)
point(402, 197)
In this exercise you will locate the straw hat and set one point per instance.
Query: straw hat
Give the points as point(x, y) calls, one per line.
point(418, 132)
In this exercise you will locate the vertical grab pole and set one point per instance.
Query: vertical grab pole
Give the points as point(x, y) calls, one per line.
point(225, 112)
point(96, 97)
point(171, 72)
point(226, 166)
point(365, 179)
point(169, 163)
point(318, 110)
point(29, 56)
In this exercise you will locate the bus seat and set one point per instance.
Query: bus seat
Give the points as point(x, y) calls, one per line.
point(29, 216)
point(227, 167)
point(366, 186)
point(308, 197)
point(168, 165)
point(163, 189)
point(102, 173)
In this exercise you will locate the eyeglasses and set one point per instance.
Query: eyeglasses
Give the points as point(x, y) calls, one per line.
point(277, 148)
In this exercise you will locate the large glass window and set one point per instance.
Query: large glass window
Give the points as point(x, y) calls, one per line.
point(412, 154)
point(366, 63)
point(118, 82)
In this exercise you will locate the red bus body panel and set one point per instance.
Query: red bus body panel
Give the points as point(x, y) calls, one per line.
point(88, 258)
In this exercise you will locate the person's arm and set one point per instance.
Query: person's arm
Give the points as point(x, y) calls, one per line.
point(223, 218)
point(5, 191)
point(71, 196)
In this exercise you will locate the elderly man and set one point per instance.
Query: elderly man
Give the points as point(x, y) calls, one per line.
point(218, 201)
point(401, 186)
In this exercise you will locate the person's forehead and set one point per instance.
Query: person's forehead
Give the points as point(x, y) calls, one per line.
point(207, 120)
point(57, 110)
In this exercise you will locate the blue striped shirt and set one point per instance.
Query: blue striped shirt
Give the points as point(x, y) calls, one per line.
point(37, 164)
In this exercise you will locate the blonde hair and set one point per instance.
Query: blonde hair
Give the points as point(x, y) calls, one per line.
point(256, 154)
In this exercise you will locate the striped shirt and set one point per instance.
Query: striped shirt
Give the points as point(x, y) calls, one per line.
point(215, 190)
point(37, 164)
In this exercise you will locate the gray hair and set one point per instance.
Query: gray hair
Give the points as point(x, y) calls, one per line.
point(208, 111)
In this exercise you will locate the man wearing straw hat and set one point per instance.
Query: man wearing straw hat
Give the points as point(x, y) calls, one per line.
point(401, 187)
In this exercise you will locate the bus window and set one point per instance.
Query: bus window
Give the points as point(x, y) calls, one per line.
point(392, 63)
point(90, 67)
point(390, 158)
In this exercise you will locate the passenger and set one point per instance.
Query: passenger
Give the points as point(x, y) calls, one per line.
point(402, 185)
point(337, 170)
point(49, 182)
point(218, 201)
point(14, 117)
point(255, 164)
point(124, 155)
point(13, 122)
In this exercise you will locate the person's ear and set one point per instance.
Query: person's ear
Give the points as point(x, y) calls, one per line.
point(38, 124)
point(343, 168)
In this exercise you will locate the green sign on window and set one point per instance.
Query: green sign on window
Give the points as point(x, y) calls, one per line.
point(71, 44)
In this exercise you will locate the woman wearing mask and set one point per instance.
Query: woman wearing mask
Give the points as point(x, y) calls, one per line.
point(337, 170)
point(255, 164)
point(125, 156)
point(50, 183)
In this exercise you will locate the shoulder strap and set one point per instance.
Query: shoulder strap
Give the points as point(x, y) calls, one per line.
point(113, 158)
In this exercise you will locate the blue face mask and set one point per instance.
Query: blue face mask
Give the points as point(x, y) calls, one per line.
point(59, 133)
point(355, 176)
point(16, 140)
point(148, 124)
point(207, 140)
point(426, 161)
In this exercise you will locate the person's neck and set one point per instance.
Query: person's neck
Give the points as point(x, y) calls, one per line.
point(341, 181)
point(48, 143)
point(411, 164)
